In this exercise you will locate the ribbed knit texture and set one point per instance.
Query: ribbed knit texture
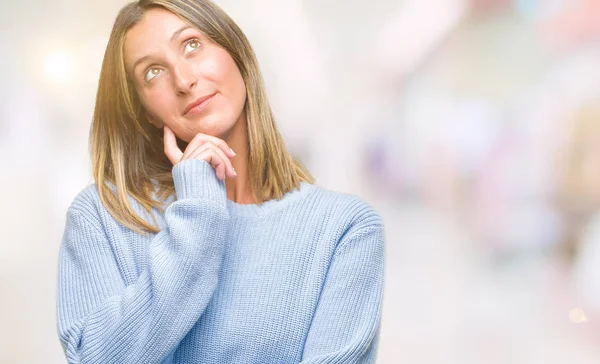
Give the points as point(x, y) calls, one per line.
point(295, 280)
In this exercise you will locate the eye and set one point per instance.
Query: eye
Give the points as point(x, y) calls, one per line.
point(151, 73)
point(191, 45)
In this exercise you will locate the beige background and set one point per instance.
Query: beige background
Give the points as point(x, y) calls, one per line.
point(453, 118)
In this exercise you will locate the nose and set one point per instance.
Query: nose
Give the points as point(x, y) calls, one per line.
point(184, 77)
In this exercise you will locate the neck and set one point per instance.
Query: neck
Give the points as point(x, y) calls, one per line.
point(238, 188)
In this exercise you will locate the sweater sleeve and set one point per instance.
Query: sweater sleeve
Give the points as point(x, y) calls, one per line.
point(100, 319)
point(346, 324)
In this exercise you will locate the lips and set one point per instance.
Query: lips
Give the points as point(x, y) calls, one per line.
point(199, 101)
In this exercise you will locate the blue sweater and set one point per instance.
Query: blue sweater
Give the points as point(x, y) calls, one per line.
point(295, 280)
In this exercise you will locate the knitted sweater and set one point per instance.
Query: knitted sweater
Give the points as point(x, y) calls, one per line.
point(295, 280)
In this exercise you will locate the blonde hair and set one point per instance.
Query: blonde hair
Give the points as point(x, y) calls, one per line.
point(127, 151)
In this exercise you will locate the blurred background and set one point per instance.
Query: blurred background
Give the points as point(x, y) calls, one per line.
point(472, 126)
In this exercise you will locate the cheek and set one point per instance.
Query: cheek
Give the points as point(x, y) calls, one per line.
point(237, 83)
point(227, 74)
point(242, 89)
point(238, 89)
point(156, 102)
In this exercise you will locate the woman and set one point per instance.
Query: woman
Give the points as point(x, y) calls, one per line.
point(202, 240)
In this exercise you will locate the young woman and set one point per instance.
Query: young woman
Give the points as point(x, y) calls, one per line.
point(202, 239)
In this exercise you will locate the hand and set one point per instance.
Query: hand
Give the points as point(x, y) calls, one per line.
point(209, 148)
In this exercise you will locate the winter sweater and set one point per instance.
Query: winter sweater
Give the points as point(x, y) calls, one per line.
point(294, 280)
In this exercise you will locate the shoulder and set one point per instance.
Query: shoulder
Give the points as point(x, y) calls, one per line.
point(351, 213)
point(87, 204)
point(93, 206)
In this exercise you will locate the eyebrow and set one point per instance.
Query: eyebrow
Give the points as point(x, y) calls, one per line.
point(173, 37)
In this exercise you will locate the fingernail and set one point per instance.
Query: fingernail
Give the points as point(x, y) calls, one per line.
point(232, 152)
point(234, 172)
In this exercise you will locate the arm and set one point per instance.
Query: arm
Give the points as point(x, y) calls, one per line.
point(345, 326)
point(100, 319)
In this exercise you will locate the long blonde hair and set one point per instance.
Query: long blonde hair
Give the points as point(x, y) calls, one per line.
point(127, 151)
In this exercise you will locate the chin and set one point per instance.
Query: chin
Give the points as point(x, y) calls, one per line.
point(217, 129)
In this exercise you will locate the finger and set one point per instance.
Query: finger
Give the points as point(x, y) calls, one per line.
point(200, 138)
point(224, 147)
point(227, 165)
point(171, 148)
point(218, 160)
point(227, 168)
point(213, 159)
point(221, 171)
point(196, 143)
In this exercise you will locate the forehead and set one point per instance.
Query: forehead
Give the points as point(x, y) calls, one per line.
point(153, 30)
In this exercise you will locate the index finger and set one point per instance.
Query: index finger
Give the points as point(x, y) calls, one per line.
point(200, 138)
point(171, 148)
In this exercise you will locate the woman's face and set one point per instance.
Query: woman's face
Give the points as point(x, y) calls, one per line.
point(174, 67)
